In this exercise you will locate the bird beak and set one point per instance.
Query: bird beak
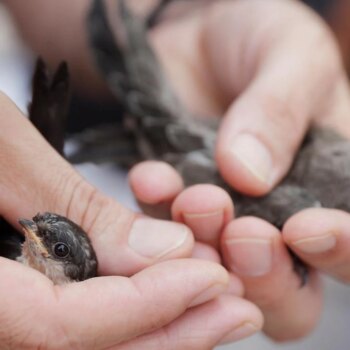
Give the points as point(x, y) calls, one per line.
point(30, 232)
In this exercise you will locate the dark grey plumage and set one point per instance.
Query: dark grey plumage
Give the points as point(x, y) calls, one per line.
point(50, 101)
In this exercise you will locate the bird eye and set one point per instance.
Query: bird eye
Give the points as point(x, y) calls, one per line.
point(61, 250)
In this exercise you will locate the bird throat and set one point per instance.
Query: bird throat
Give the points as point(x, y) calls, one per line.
point(32, 256)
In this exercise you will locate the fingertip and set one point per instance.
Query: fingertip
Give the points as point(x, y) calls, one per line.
point(206, 252)
point(247, 246)
point(249, 225)
point(139, 241)
point(317, 231)
point(248, 319)
point(244, 157)
point(238, 168)
point(154, 182)
point(255, 147)
point(255, 251)
point(206, 209)
point(203, 198)
point(321, 238)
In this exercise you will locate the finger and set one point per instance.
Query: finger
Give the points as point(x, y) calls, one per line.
point(34, 178)
point(226, 319)
point(253, 249)
point(100, 312)
point(321, 237)
point(265, 66)
point(205, 209)
point(155, 186)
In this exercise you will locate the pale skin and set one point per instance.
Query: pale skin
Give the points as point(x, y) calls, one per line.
point(270, 68)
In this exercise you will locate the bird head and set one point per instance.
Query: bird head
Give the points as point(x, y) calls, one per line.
point(57, 247)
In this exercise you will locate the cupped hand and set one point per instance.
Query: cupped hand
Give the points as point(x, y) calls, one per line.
point(271, 69)
point(173, 304)
point(156, 308)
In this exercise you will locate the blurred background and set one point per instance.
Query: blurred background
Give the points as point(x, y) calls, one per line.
point(15, 74)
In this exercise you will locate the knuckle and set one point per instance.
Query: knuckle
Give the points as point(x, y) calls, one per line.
point(84, 203)
point(71, 196)
point(96, 213)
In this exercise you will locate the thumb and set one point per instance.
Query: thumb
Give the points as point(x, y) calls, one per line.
point(34, 178)
point(280, 82)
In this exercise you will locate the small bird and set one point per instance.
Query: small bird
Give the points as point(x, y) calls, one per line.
point(57, 247)
point(52, 244)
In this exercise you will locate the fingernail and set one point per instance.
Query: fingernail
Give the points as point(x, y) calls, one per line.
point(250, 256)
point(254, 155)
point(153, 238)
point(318, 244)
point(209, 294)
point(244, 330)
point(206, 223)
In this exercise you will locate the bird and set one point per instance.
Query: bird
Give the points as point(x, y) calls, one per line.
point(51, 244)
point(58, 248)
point(158, 126)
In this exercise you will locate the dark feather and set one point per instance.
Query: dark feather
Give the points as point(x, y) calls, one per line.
point(49, 107)
point(10, 241)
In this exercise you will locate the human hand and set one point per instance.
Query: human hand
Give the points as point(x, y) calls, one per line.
point(123, 313)
point(113, 312)
point(256, 64)
point(272, 68)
